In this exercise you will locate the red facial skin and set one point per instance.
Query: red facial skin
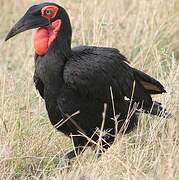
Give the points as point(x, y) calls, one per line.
point(44, 36)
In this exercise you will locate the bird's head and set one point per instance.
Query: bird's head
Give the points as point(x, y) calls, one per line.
point(50, 19)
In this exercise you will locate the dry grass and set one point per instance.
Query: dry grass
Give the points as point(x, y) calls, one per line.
point(146, 31)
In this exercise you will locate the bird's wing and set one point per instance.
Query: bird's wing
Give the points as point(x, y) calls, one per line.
point(91, 71)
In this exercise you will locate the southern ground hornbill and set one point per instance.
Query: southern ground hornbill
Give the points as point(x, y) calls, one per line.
point(77, 83)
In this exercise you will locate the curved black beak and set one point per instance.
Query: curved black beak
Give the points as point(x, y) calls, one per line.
point(28, 21)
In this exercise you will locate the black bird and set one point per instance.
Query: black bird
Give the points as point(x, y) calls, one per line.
point(79, 85)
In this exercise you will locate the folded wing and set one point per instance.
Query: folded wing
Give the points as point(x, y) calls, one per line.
point(91, 72)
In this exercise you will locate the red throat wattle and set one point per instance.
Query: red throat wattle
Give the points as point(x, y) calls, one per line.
point(45, 36)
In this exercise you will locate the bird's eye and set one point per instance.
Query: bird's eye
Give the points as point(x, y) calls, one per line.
point(49, 12)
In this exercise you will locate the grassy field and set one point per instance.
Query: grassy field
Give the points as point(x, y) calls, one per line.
point(147, 32)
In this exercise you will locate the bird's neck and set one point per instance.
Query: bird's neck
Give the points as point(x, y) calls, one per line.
point(56, 58)
point(53, 62)
point(61, 48)
point(50, 67)
point(60, 51)
point(55, 37)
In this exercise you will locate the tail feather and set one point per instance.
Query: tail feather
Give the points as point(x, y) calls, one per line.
point(156, 109)
point(151, 85)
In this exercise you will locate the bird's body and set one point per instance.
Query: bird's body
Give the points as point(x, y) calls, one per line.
point(76, 83)
point(81, 82)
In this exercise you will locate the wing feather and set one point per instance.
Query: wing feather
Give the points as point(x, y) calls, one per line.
point(91, 71)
